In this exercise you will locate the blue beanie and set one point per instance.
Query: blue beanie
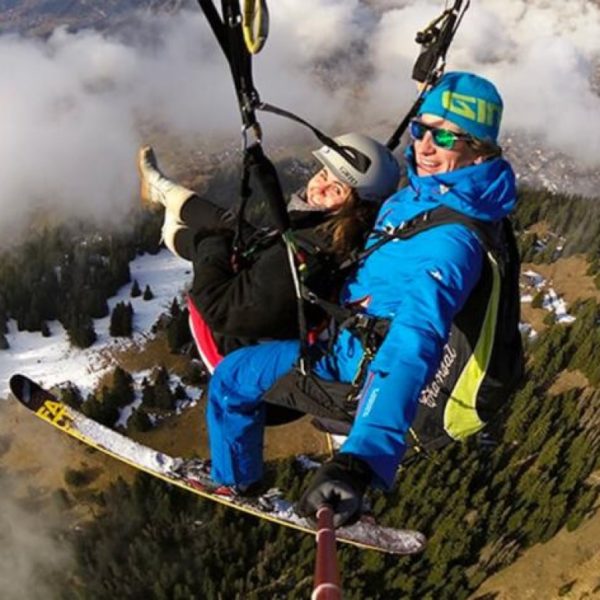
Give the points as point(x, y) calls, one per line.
point(467, 100)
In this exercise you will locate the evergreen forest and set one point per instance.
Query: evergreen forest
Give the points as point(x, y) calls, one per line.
point(480, 504)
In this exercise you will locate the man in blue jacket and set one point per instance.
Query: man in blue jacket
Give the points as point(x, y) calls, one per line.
point(418, 284)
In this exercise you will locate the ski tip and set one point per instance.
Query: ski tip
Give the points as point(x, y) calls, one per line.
point(21, 387)
point(16, 384)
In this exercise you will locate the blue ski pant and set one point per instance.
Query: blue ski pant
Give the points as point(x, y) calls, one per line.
point(235, 412)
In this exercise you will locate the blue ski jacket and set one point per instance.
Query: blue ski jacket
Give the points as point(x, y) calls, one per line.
point(419, 284)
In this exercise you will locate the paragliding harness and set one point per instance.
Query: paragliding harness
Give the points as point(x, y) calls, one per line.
point(482, 361)
point(242, 33)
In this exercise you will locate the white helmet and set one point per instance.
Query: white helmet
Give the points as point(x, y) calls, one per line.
point(369, 167)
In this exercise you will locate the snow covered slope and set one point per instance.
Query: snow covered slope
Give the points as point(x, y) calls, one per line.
point(53, 360)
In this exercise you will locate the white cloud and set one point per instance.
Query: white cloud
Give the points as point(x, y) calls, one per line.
point(72, 104)
point(29, 551)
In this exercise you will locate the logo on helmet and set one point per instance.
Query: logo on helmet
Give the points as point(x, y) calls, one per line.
point(350, 179)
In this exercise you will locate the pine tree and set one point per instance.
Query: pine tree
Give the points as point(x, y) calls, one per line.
point(180, 393)
point(135, 289)
point(123, 387)
point(121, 320)
point(104, 413)
point(178, 331)
point(32, 319)
point(94, 303)
point(163, 397)
point(81, 331)
point(537, 300)
point(71, 396)
point(175, 310)
point(139, 421)
point(148, 395)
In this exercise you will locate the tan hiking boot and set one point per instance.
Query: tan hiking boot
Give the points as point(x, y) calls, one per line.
point(155, 189)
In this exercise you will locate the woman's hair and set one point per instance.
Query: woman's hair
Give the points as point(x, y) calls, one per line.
point(485, 148)
point(350, 226)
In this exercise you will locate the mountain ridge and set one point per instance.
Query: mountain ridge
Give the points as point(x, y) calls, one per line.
point(41, 17)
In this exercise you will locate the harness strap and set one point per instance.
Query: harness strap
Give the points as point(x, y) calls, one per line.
point(357, 159)
point(403, 230)
point(238, 245)
point(216, 24)
point(372, 330)
point(240, 62)
point(435, 41)
point(229, 34)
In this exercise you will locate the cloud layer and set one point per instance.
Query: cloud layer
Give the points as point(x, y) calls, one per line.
point(73, 106)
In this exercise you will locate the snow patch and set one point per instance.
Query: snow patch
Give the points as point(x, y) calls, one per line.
point(532, 281)
point(53, 361)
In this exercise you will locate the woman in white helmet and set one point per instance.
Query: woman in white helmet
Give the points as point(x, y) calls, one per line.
point(232, 306)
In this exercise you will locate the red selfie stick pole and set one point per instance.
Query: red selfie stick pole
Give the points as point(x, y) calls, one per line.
point(327, 573)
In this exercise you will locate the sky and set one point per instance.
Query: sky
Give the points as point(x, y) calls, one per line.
point(75, 104)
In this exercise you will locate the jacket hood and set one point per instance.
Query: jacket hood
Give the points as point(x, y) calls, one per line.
point(486, 191)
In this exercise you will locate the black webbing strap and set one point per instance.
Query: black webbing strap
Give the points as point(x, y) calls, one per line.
point(229, 33)
point(216, 24)
point(240, 62)
point(435, 40)
point(357, 159)
point(239, 244)
point(489, 234)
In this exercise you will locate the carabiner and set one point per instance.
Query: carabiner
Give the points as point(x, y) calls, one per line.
point(255, 24)
point(257, 133)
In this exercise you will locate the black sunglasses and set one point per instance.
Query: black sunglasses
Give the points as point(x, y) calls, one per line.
point(442, 138)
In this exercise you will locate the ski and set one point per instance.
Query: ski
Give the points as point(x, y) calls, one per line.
point(193, 475)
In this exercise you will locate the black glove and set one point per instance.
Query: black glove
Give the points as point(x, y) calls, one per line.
point(340, 483)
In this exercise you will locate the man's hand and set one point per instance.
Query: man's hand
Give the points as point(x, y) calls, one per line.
point(340, 483)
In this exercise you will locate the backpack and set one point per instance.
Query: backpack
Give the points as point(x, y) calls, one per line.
point(482, 361)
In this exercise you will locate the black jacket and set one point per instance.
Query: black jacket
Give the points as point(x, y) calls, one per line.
point(259, 301)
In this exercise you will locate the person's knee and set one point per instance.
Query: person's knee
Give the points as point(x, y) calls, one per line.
point(224, 399)
point(226, 395)
point(243, 376)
